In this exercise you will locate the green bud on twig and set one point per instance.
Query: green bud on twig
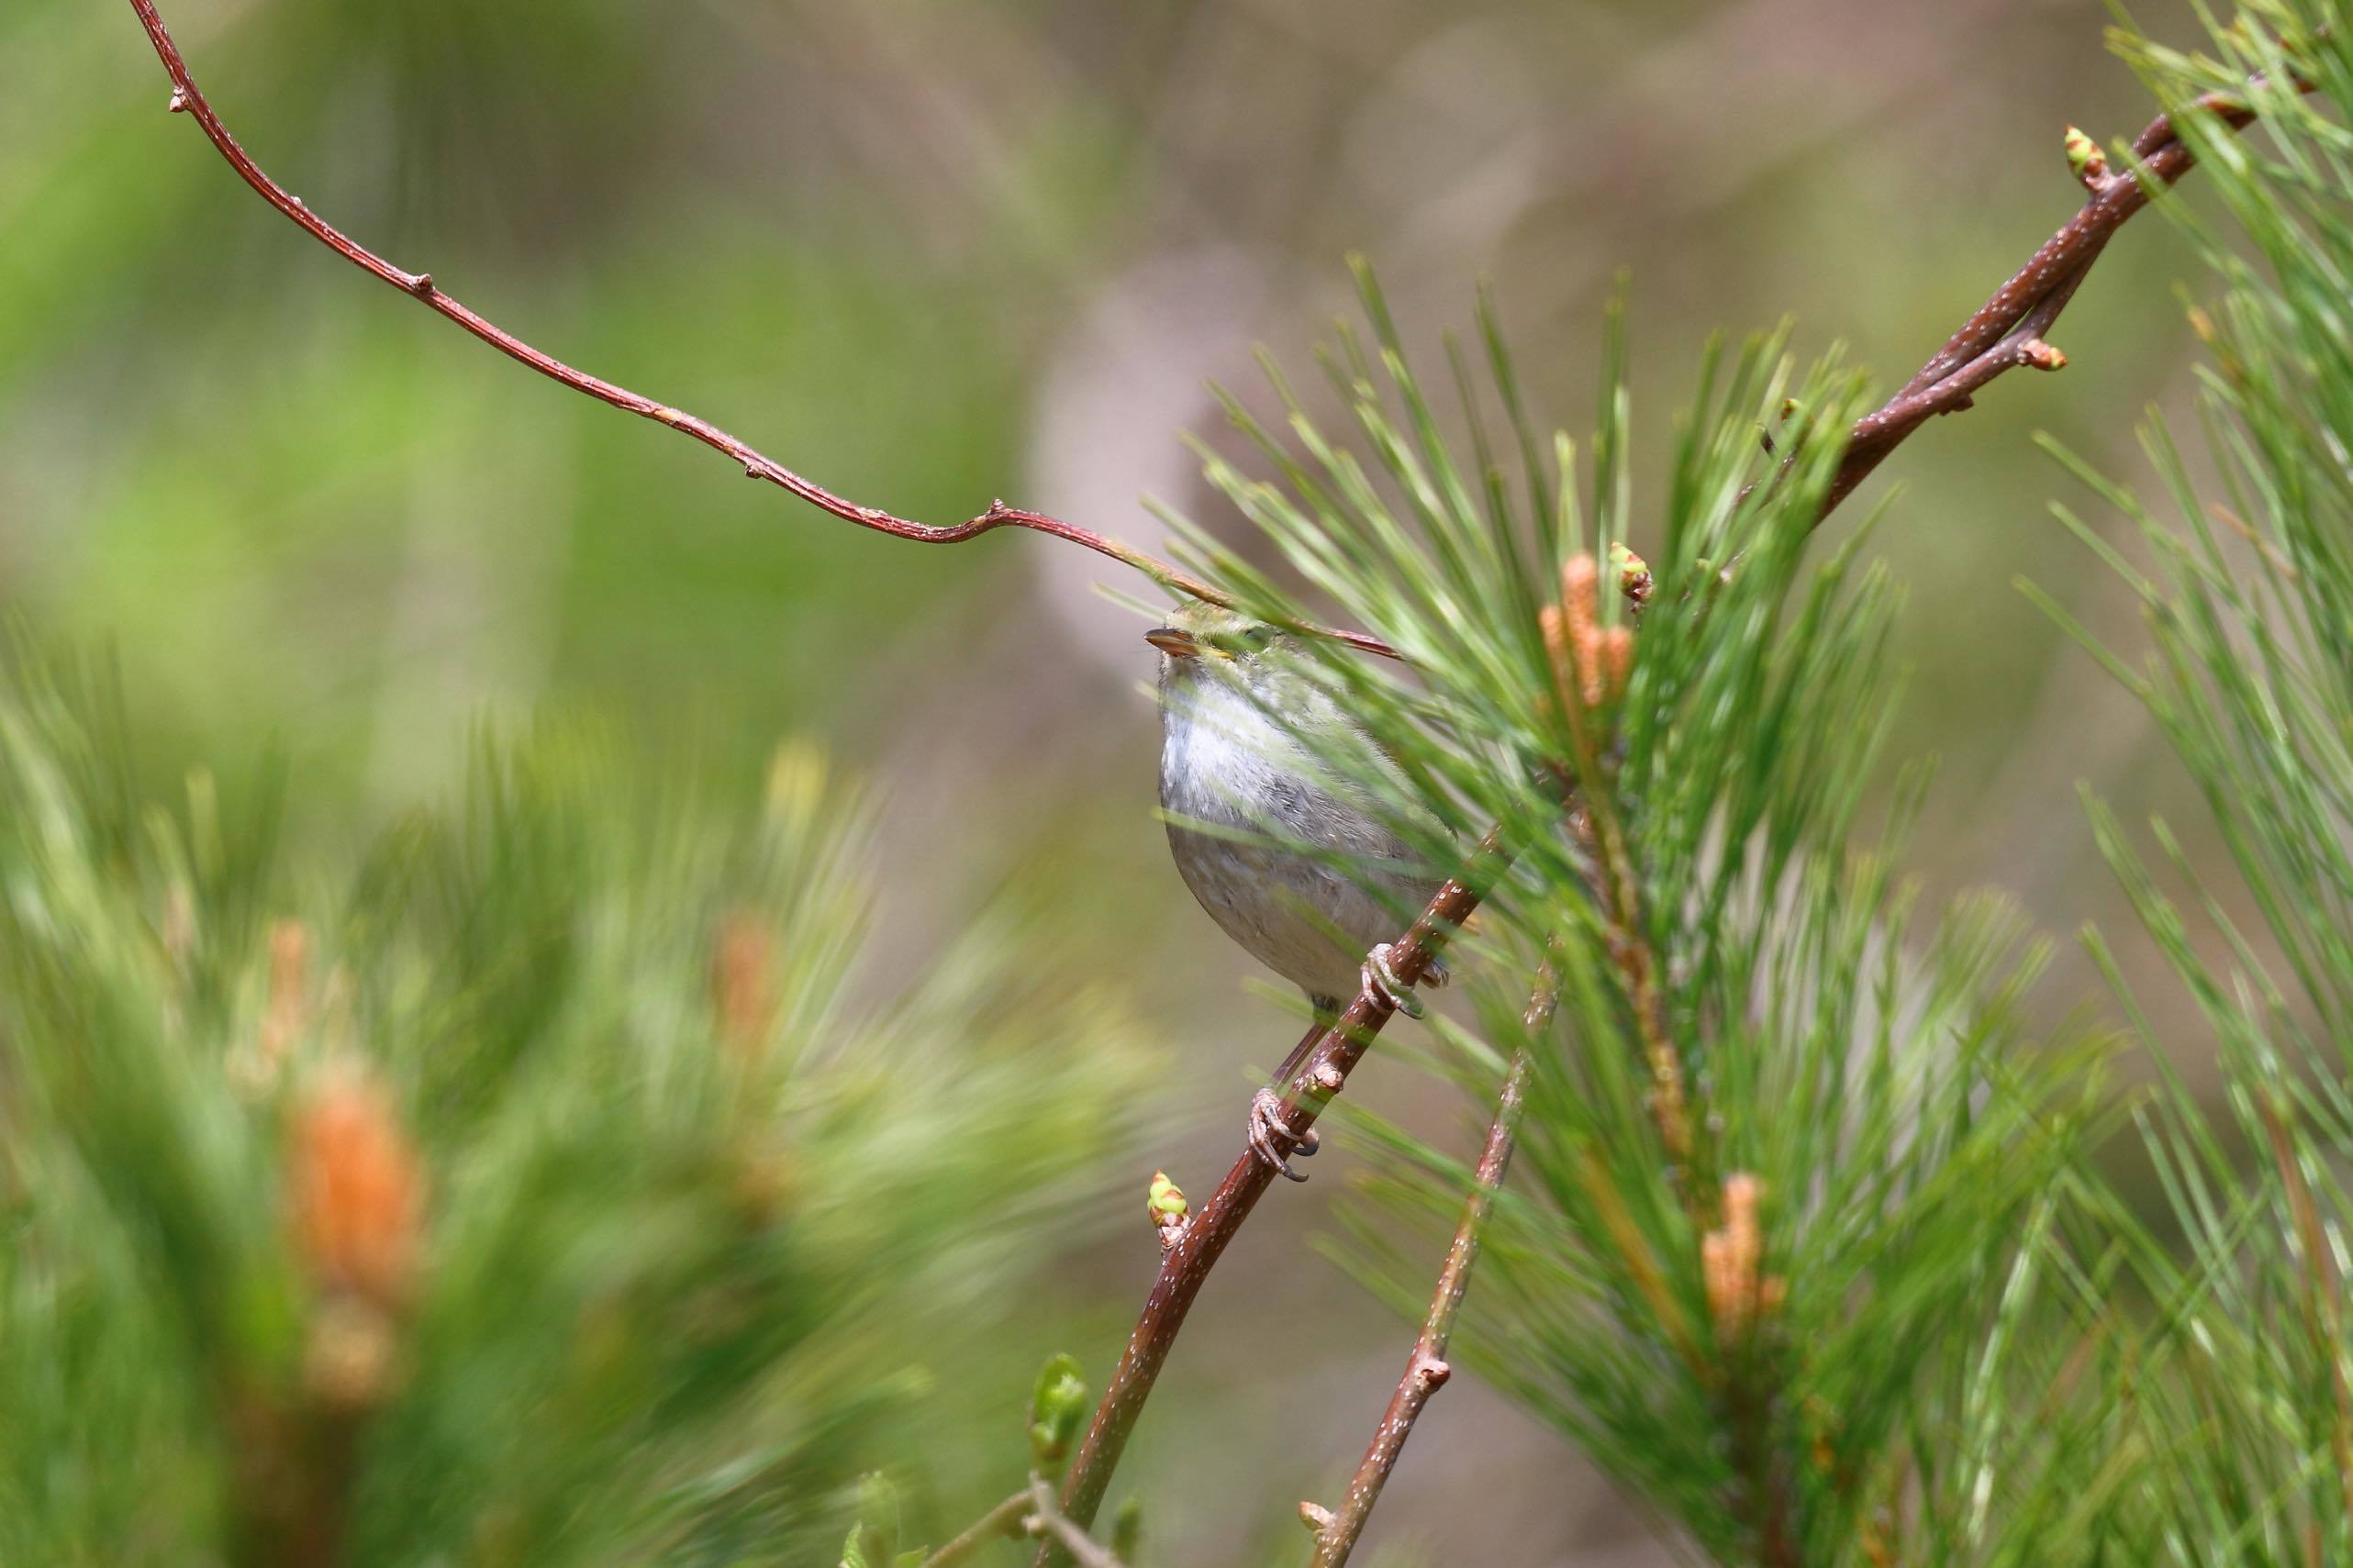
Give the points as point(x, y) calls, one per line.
point(1633, 574)
point(2084, 158)
point(1057, 1412)
point(1166, 1203)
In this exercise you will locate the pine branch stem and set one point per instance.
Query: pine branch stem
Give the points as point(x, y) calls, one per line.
point(187, 98)
point(1186, 1265)
point(1630, 952)
point(1426, 1370)
point(2323, 1305)
point(1765, 1489)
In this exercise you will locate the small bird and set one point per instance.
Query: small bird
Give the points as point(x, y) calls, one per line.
point(1233, 703)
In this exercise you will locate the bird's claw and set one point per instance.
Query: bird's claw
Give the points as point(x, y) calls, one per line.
point(1380, 979)
point(1269, 1132)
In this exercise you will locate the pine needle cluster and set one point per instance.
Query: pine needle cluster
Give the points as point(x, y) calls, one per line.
point(2244, 580)
point(539, 1192)
point(1786, 1169)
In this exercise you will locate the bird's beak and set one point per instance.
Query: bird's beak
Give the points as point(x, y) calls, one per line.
point(1169, 640)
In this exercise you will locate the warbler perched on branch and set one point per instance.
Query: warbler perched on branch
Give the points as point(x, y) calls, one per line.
point(1270, 790)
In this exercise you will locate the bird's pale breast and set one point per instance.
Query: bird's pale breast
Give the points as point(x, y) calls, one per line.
point(1226, 765)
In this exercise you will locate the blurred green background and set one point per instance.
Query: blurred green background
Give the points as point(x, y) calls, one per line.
point(933, 251)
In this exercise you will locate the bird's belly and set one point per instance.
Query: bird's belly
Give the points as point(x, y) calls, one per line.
point(1303, 919)
point(1300, 918)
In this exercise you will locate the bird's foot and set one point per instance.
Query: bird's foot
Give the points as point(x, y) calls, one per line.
point(1381, 980)
point(1269, 1133)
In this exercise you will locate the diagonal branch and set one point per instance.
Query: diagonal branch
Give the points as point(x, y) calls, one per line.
point(1426, 1371)
point(2007, 330)
point(1186, 1265)
point(186, 98)
point(2004, 334)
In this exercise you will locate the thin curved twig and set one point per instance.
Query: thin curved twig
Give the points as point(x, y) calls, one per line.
point(186, 98)
point(1002, 1522)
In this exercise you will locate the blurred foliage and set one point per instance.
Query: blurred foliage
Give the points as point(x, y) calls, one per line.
point(533, 1194)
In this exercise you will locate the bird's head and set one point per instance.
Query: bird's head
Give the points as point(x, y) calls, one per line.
point(1196, 631)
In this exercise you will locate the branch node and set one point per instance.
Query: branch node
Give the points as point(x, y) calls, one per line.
point(1329, 1078)
point(1432, 1374)
point(179, 104)
point(421, 286)
point(1316, 1517)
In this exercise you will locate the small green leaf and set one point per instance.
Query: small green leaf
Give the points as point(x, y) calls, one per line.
point(1057, 1412)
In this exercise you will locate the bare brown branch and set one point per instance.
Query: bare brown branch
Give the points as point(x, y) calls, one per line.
point(2008, 329)
point(187, 98)
point(2004, 333)
point(1185, 1266)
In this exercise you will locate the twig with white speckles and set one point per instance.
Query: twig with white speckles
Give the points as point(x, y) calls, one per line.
point(2007, 330)
point(1426, 1370)
point(1187, 1260)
